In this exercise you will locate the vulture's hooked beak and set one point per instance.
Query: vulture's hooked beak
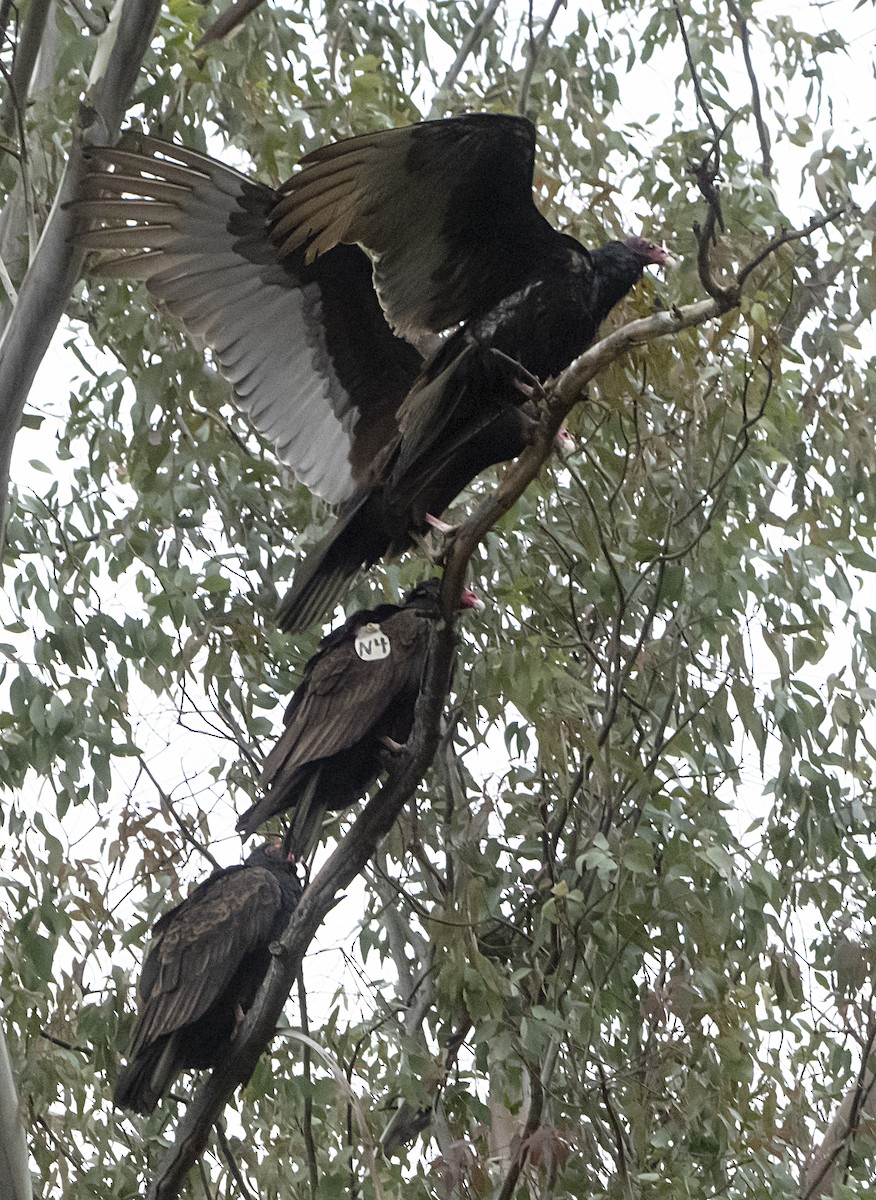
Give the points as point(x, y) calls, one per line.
point(564, 442)
point(470, 599)
point(652, 254)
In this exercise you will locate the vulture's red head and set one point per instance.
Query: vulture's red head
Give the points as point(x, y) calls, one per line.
point(649, 252)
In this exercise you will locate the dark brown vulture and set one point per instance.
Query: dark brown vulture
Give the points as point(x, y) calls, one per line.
point(273, 282)
point(356, 699)
point(202, 970)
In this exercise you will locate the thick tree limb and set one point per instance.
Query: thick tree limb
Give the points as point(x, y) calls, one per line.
point(317, 901)
point(408, 769)
point(14, 1170)
point(58, 261)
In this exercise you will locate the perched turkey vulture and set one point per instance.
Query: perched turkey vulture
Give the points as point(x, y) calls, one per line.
point(202, 970)
point(445, 209)
point(272, 282)
point(356, 698)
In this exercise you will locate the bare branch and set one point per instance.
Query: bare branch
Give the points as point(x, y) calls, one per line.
point(562, 396)
point(814, 288)
point(233, 17)
point(695, 77)
point(762, 133)
point(307, 1116)
point(785, 238)
point(170, 809)
point(467, 46)
point(705, 235)
point(231, 1161)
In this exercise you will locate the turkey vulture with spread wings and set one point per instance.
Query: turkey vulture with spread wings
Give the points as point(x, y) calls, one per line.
point(202, 971)
point(445, 209)
point(272, 281)
point(356, 699)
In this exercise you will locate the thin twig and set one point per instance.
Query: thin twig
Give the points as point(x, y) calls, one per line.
point(231, 1161)
point(785, 238)
point(762, 133)
point(168, 804)
point(536, 45)
point(466, 47)
point(694, 74)
point(307, 1115)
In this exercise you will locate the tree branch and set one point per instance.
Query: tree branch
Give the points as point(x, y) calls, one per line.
point(317, 901)
point(228, 21)
point(536, 45)
point(762, 133)
point(566, 391)
point(859, 1100)
point(466, 47)
point(14, 1169)
point(25, 60)
point(307, 1122)
point(170, 809)
point(231, 1161)
point(695, 77)
point(58, 261)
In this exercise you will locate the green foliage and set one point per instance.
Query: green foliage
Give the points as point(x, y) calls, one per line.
point(636, 893)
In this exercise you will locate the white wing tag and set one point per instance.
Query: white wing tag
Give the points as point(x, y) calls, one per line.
point(371, 643)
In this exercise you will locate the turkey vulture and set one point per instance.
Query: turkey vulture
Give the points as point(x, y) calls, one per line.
point(445, 209)
point(272, 281)
point(357, 698)
point(202, 970)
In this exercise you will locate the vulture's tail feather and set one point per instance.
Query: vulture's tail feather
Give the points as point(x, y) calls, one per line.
point(146, 1078)
point(357, 541)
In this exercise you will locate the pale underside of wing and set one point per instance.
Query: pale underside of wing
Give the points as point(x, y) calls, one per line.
point(444, 208)
point(196, 231)
point(196, 952)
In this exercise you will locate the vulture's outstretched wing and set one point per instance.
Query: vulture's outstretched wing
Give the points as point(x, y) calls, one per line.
point(199, 945)
point(306, 348)
point(445, 209)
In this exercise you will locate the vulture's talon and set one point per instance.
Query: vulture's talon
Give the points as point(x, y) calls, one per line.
point(441, 526)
